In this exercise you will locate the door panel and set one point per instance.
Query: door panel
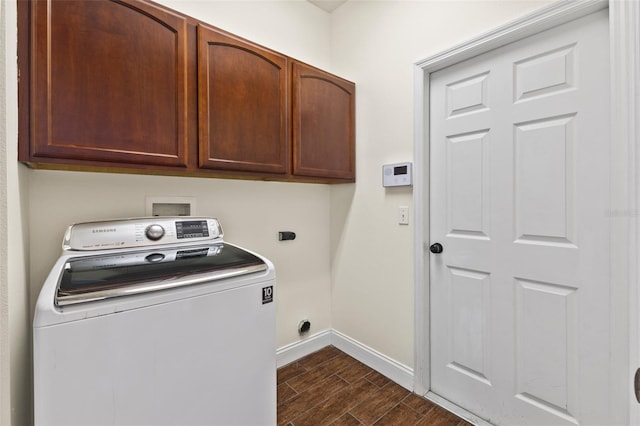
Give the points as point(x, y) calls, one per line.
point(519, 194)
point(242, 93)
point(468, 203)
point(109, 82)
point(323, 108)
point(544, 176)
point(470, 296)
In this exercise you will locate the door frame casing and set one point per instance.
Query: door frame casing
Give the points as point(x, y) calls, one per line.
point(624, 213)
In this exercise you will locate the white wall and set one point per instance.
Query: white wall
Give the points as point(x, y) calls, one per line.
point(14, 406)
point(5, 402)
point(251, 212)
point(293, 27)
point(375, 44)
point(42, 203)
point(351, 266)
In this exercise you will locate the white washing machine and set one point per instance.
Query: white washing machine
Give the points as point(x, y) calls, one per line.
point(155, 321)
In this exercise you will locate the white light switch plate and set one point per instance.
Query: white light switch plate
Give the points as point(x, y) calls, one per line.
point(403, 215)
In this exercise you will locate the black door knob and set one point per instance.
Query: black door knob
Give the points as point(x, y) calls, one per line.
point(436, 248)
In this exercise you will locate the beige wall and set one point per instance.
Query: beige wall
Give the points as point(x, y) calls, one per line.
point(375, 43)
point(351, 267)
point(45, 202)
point(293, 27)
point(4, 290)
point(251, 212)
point(14, 241)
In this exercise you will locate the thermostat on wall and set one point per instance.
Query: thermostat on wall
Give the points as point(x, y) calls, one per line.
point(397, 174)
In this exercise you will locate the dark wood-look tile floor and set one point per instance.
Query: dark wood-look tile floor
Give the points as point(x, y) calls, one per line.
point(329, 387)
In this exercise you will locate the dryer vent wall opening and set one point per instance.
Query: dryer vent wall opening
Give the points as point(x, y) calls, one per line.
point(304, 327)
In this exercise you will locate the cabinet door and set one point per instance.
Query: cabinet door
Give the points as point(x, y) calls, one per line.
point(323, 124)
point(242, 93)
point(108, 82)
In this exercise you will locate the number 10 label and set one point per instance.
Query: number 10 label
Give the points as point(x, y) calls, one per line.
point(267, 294)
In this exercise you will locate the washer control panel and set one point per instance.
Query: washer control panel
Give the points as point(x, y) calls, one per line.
point(154, 232)
point(140, 232)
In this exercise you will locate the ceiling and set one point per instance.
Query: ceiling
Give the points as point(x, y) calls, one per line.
point(328, 5)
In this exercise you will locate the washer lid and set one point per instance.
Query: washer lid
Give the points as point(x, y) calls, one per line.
point(92, 278)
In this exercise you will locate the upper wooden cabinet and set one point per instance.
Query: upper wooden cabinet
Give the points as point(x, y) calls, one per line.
point(243, 104)
point(323, 124)
point(132, 86)
point(109, 82)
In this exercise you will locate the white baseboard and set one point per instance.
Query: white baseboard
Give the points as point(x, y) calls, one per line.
point(398, 372)
point(394, 370)
point(294, 351)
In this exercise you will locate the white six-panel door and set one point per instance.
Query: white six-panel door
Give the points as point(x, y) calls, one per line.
point(519, 195)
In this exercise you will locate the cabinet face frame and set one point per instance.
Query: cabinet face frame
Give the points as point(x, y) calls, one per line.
point(47, 100)
point(323, 114)
point(242, 105)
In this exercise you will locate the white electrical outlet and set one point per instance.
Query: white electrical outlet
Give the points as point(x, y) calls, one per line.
point(403, 215)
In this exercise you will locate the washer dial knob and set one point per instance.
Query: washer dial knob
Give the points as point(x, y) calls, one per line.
point(154, 232)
